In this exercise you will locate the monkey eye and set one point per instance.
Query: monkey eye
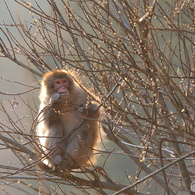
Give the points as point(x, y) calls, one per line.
point(64, 81)
point(61, 81)
point(57, 82)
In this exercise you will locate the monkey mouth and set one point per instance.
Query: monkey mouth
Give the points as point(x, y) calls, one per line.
point(64, 93)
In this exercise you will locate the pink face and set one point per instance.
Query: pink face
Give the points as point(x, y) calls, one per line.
point(61, 85)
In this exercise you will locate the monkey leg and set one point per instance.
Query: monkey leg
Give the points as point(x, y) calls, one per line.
point(78, 152)
point(53, 145)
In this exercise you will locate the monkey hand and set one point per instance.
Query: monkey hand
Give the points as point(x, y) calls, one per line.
point(93, 110)
point(81, 109)
point(89, 111)
point(54, 98)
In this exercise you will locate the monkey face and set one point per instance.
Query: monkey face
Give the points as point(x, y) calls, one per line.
point(61, 85)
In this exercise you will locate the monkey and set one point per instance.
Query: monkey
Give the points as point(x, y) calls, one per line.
point(69, 130)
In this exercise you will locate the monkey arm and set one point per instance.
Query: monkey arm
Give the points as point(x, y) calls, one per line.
point(47, 116)
point(50, 135)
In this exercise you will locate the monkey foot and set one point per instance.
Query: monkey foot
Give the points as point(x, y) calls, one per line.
point(66, 165)
point(57, 160)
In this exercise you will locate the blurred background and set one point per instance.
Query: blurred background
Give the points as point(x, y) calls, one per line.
point(138, 57)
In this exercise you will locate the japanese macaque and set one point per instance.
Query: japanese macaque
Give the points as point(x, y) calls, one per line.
point(68, 129)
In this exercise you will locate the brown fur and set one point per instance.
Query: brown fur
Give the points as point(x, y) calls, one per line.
point(69, 132)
